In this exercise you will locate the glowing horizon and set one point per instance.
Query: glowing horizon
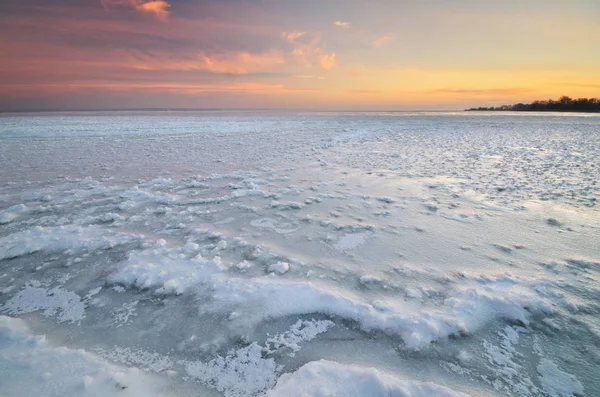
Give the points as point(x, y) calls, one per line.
point(432, 54)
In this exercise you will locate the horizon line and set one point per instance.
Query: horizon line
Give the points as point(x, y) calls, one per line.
point(220, 109)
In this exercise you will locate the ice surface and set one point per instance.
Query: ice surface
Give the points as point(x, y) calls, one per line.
point(557, 383)
point(31, 366)
point(328, 254)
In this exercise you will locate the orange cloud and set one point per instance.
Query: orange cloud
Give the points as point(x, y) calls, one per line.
point(383, 41)
point(327, 61)
point(292, 36)
point(342, 24)
point(156, 8)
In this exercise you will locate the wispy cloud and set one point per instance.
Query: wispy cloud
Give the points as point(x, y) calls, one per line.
point(327, 61)
point(484, 91)
point(342, 24)
point(241, 62)
point(363, 91)
point(186, 87)
point(290, 37)
point(382, 41)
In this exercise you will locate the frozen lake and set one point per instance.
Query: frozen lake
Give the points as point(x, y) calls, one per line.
point(296, 253)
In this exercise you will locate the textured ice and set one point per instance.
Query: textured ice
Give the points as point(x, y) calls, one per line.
point(250, 370)
point(218, 251)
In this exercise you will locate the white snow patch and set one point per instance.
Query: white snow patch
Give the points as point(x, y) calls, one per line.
point(123, 313)
point(242, 372)
point(279, 268)
point(243, 265)
point(351, 241)
point(302, 331)
point(56, 302)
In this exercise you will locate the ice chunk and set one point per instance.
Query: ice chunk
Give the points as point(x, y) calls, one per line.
point(279, 267)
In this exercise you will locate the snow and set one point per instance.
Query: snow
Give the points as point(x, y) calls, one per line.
point(279, 267)
point(330, 379)
point(249, 370)
point(352, 241)
point(168, 269)
point(61, 238)
point(241, 372)
point(55, 302)
point(302, 331)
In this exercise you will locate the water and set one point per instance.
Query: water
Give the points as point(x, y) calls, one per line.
point(229, 252)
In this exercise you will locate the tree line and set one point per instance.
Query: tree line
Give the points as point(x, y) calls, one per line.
point(564, 104)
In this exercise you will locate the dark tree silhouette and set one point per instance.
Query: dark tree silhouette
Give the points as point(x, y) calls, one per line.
point(563, 104)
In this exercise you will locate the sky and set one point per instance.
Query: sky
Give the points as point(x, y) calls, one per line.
point(295, 54)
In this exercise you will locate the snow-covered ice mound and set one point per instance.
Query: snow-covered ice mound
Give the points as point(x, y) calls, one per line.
point(330, 379)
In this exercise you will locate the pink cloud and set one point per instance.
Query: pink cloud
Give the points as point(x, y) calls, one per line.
point(292, 36)
point(342, 24)
point(232, 62)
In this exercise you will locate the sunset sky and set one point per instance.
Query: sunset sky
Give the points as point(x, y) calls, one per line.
point(311, 54)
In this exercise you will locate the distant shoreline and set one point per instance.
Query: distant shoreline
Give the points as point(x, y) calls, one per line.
point(531, 110)
point(564, 104)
